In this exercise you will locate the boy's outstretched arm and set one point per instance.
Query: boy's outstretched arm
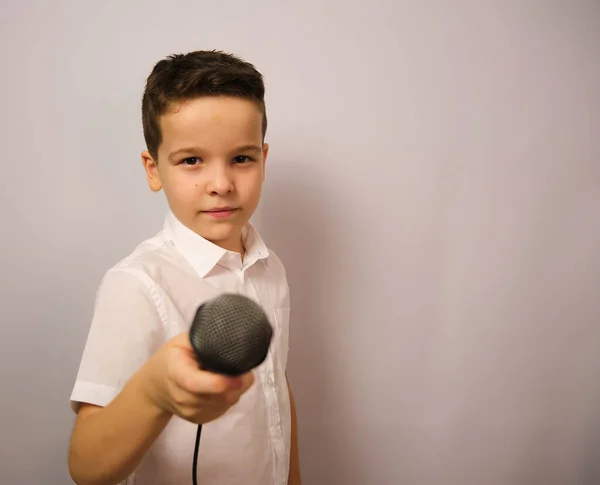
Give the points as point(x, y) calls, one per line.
point(108, 443)
point(294, 474)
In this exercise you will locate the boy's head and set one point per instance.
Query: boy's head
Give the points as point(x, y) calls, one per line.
point(204, 122)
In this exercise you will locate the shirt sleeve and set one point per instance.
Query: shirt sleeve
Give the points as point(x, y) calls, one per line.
point(126, 329)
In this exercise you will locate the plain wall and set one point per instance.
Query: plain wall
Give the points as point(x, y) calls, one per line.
point(433, 189)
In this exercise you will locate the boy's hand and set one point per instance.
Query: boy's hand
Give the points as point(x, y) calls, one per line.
point(177, 385)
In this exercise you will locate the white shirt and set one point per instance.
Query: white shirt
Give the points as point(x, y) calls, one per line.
point(151, 296)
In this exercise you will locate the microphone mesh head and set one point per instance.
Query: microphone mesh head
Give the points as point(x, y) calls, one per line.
point(230, 334)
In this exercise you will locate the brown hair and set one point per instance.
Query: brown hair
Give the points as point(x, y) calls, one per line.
point(180, 77)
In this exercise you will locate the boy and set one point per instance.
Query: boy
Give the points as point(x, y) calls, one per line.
point(139, 393)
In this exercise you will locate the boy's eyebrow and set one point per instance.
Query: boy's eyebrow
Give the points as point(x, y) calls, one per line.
point(249, 148)
point(179, 151)
point(195, 149)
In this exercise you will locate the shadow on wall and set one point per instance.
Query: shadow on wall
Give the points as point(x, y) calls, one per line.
point(295, 221)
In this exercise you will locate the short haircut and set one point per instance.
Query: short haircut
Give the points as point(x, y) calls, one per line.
point(182, 77)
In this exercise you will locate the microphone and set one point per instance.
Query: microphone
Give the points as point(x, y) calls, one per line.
point(230, 335)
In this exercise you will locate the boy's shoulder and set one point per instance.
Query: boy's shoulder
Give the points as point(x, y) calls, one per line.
point(149, 257)
point(152, 267)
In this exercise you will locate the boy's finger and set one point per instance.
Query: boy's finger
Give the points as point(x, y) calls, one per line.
point(195, 380)
point(246, 381)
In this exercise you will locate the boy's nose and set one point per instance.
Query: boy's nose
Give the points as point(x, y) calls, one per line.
point(221, 183)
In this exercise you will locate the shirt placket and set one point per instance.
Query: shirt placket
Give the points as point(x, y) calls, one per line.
point(267, 376)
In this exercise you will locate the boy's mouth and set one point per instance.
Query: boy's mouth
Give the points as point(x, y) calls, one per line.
point(221, 212)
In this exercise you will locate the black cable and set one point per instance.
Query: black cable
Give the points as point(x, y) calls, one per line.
point(195, 465)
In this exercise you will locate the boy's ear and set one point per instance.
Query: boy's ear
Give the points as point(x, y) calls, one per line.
point(151, 169)
point(265, 155)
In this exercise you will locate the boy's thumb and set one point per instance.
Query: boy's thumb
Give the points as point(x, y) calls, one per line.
point(182, 340)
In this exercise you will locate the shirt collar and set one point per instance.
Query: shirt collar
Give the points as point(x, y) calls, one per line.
point(204, 255)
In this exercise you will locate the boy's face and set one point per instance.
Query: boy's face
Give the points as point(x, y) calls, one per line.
point(211, 165)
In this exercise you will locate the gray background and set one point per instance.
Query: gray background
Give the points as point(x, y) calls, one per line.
point(433, 189)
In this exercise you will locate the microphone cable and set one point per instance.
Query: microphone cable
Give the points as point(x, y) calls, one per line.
point(195, 465)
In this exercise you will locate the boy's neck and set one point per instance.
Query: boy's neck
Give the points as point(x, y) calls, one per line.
point(237, 247)
point(242, 251)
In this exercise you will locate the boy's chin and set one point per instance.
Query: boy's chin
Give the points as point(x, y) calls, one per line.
point(222, 234)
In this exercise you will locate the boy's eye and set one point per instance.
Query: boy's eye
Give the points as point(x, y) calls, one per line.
point(191, 161)
point(242, 159)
